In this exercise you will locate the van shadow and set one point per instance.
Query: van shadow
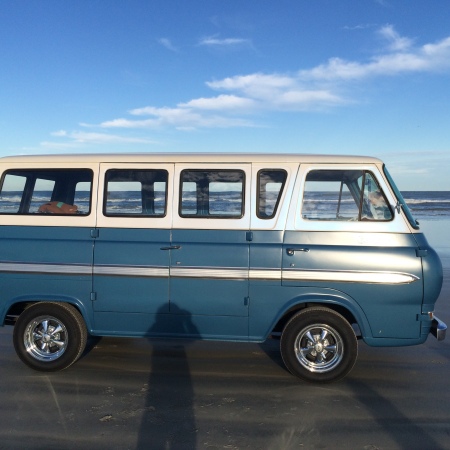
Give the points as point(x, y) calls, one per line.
point(168, 421)
point(391, 419)
point(271, 347)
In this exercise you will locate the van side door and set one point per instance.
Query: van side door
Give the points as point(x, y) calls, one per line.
point(210, 249)
point(272, 187)
point(131, 264)
point(344, 235)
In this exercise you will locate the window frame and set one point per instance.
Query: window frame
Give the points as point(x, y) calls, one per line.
point(31, 176)
point(359, 202)
point(400, 200)
point(211, 216)
point(358, 231)
point(279, 196)
point(138, 215)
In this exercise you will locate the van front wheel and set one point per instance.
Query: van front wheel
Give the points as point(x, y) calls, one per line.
point(49, 336)
point(318, 344)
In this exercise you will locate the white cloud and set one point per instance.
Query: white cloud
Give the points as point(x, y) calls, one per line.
point(102, 138)
point(77, 139)
point(122, 123)
point(251, 94)
point(220, 103)
point(213, 41)
point(397, 42)
point(361, 26)
point(428, 58)
point(181, 118)
point(60, 133)
point(308, 99)
point(167, 43)
point(279, 92)
point(256, 85)
point(319, 88)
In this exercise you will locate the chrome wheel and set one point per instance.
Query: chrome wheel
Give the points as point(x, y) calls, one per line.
point(319, 344)
point(45, 338)
point(319, 348)
point(49, 336)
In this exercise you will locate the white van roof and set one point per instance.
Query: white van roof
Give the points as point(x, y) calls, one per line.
point(192, 157)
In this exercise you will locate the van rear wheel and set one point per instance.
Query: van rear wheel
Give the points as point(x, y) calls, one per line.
point(49, 336)
point(319, 345)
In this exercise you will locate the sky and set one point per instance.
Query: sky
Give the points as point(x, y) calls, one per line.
point(358, 77)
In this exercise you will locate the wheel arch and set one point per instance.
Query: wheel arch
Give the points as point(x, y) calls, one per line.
point(19, 304)
point(337, 302)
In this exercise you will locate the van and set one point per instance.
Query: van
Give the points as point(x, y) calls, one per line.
point(317, 251)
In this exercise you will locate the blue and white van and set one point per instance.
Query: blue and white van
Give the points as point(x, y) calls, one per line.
point(318, 251)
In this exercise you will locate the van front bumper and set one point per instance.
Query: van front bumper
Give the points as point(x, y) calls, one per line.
point(438, 328)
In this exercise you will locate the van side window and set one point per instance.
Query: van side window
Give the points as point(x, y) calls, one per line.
point(133, 192)
point(42, 193)
point(212, 193)
point(270, 187)
point(54, 191)
point(82, 193)
point(13, 187)
point(344, 195)
point(375, 205)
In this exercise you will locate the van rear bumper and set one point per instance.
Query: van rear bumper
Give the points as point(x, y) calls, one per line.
point(438, 329)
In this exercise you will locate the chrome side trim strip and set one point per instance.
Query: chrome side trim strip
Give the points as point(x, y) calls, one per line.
point(46, 268)
point(349, 276)
point(230, 273)
point(132, 271)
point(209, 272)
point(265, 274)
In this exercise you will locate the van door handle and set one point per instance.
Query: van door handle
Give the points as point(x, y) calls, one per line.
point(172, 247)
point(291, 251)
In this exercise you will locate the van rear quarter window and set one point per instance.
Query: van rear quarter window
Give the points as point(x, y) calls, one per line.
point(270, 188)
point(36, 191)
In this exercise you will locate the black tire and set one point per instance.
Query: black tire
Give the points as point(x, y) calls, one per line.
point(49, 336)
point(318, 344)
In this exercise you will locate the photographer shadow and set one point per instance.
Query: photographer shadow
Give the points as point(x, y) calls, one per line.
point(168, 421)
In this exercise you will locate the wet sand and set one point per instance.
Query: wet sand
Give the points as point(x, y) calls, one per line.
point(142, 394)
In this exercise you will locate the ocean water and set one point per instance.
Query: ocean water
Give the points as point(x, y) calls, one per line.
point(429, 205)
point(432, 210)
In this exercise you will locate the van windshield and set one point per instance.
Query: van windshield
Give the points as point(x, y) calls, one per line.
point(401, 201)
